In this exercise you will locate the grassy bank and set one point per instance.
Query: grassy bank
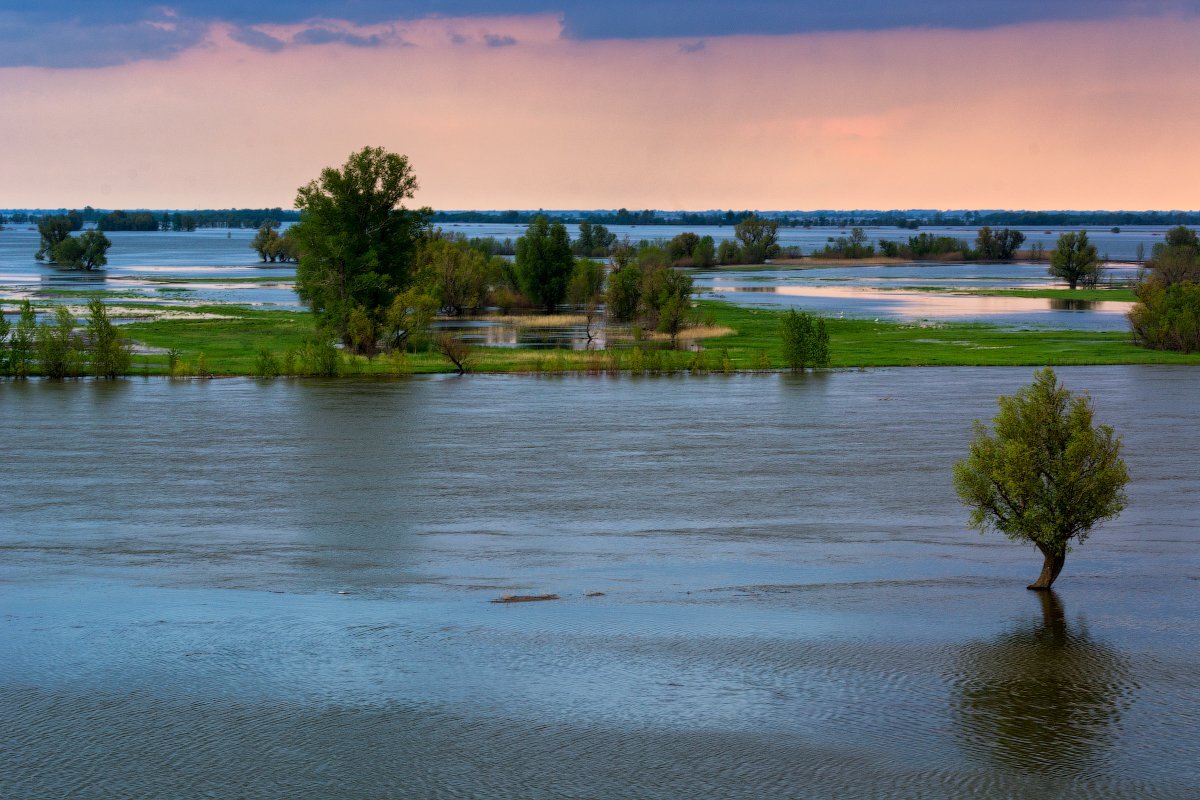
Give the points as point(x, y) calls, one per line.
point(232, 342)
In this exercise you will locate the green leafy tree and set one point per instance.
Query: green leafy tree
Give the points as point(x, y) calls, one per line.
point(5, 327)
point(93, 250)
point(357, 240)
point(111, 354)
point(544, 262)
point(1045, 475)
point(680, 249)
point(759, 237)
point(22, 342)
point(805, 341)
point(585, 290)
point(1167, 317)
point(53, 231)
point(57, 350)
point(1176, 259)
point(998, 245)
point(455, 273)
point(667, 300)
point(624, 295)
point(704, 253)
point(265, 241)
point(587, 282)
point(594, 240)
point(408, 318)
point(728, 253)
point(1074, 260)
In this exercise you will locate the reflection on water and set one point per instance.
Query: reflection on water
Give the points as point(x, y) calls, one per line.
point(864, 301)
point(792, 607)
point(1069, 304)
point(1044, 696)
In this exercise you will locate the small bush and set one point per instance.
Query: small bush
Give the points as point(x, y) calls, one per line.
point(266, 365)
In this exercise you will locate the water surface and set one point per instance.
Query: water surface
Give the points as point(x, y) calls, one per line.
point(791, 606)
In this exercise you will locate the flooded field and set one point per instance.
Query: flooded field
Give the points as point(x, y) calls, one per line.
point(767, 589)
point(216, 267)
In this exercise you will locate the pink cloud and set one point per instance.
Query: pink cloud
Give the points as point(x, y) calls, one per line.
point(1098, 115)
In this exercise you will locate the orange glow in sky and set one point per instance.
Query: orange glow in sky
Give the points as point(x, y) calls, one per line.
point(1101, 115)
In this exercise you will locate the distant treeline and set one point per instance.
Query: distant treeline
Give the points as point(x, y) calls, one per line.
point(911, 219)
point(154, 220)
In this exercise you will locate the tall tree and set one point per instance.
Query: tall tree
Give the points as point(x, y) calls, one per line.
point(53, 230)
point(998, 245)
point(759, 237)
point(544, 262)
point(1074, 259)
point(110, 352)
point(1046, 475)
point(357, 240)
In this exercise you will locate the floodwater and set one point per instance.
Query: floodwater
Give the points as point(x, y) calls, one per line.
point(281, 589)
point(209, 267)
point(1121, 245)
point(922, 292)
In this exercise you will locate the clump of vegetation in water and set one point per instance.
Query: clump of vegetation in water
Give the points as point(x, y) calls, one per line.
point(56, 349)
point(1167, 315)
point(1045, 474)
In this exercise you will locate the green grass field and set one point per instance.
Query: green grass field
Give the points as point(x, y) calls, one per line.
point(231, 346)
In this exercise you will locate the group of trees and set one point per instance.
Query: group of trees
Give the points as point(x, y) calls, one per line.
point(87, 251)
point(57, 349)
point(272, 246)
point(1167, 314)
point(594, 240)
point(376, 273)
point(926, 246)
point(855, 245)
point(649, 293)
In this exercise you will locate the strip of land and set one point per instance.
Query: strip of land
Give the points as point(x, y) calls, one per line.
point(233, 342)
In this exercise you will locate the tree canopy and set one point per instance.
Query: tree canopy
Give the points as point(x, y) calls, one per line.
point(357, 240)
point(998, 245)
point(1167, 314)
point(1074, 260)
point(759, 237)
point(1046, 475)
point(544, 262)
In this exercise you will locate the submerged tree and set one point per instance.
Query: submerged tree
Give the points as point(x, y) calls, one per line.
point(1074, 260)
point(1046, 475)
point(53, 231)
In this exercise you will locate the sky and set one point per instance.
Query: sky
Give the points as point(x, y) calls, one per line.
point(565, 104)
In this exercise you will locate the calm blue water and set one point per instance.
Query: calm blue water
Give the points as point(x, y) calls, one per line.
point(164, 268)
point(281, 589)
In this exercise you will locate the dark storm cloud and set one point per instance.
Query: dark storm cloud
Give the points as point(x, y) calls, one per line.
point(81, 33)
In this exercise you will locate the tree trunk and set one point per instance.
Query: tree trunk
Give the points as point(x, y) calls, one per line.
point(1050, 568)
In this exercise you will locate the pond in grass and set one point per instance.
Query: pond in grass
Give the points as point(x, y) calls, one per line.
point(282, 589)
